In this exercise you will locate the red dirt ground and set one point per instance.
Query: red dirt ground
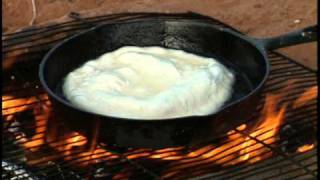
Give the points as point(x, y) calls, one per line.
point(259, 18)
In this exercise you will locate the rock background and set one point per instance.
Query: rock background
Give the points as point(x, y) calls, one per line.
point(258, 18)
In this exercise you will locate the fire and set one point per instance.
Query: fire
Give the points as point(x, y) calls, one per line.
point(307, 96)
point(305, 148)
point(167, 156)
point(11, 106)
point(83, 156)
point(138, 155)
point(266, 131)
point(67, 143)
point(75, 147)
point(243, 144)
point(65, 146)
point(240, 147)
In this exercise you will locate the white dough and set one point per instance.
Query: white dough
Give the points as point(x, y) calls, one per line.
point(149, 83)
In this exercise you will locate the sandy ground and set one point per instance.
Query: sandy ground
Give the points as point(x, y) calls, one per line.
point(258, 18)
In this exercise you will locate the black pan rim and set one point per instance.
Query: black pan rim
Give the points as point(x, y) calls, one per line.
point(254, 43)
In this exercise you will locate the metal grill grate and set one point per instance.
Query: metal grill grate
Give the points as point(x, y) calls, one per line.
point(26, 107)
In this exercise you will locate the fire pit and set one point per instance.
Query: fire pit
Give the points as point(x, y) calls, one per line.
point(281, 146)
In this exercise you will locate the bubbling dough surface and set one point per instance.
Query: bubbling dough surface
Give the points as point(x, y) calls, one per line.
point(149, 83)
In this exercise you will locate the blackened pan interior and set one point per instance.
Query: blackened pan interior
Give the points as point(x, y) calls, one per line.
point(240, 56)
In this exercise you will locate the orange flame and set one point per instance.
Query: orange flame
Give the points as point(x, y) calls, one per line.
point(11, 105)
point(306, 147)
point(239, 147)
point(242, 144)
point(81, 157)
point(266, 131)
point(307, 96)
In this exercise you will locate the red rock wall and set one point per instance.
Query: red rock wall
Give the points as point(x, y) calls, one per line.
point(260, 18)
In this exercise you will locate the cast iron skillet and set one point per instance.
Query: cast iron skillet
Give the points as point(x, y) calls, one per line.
point(245, 56)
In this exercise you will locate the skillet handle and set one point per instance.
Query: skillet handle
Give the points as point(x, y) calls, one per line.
point(304, 35)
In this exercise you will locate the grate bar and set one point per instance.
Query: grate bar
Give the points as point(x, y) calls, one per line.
point(191, 162)
point(273, 167)
point(242, 170)
point(279, 152)
point(288, 172)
